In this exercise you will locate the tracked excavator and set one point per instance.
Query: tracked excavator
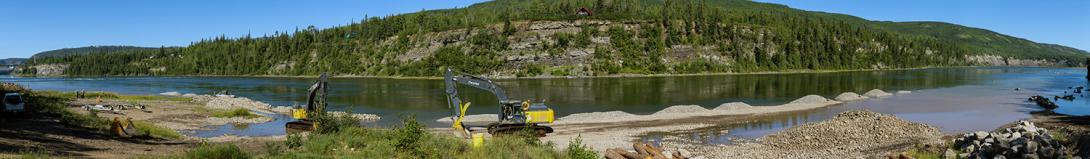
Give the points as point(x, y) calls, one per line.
point(514, 116)
point(315, 106)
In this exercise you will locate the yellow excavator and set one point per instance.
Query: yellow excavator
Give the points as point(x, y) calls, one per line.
point(314, 107)
point(515, 116)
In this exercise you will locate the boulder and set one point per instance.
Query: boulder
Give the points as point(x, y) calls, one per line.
point(1024, 140)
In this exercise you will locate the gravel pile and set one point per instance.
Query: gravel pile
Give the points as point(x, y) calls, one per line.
point(681, 109)
point(733, 106)
point(849, 96)
point(852, 128)
point(225, 102)
point(594, 116)
point(852, 134)
point(810, 99)
point(877, 93)
point(1024, 140)
point(361, 117)
point(236, 120)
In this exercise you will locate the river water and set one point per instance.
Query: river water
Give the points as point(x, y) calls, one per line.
point(984, 94)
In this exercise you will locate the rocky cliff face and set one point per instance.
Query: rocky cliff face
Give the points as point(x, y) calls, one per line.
point(48, 69)
point(996, 60)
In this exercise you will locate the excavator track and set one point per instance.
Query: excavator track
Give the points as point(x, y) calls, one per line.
point(299, 126)
point(511, 129)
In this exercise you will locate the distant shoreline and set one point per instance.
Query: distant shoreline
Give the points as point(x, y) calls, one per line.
point(572, 77)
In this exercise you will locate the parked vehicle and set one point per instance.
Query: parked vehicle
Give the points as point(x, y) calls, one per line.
point(13, 103)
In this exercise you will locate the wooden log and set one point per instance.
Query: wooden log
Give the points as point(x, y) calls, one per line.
point(613, 155)
point(626, 154)
point(639, 147)
point(655, 152)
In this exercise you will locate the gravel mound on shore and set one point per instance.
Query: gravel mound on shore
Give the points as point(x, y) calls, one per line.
point(810, 99)
point(681, 109)
point(877, 93)
point(223, 102)
point(361, 117)
point(852, 134)
point(236, 120)
point(733, 106)
point(593, 116)
point(849, 96)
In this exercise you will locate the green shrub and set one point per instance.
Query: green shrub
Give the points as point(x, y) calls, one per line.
point(293, 141)
point(531, 70)
point(576, 150)
point(332, 124)
point(237, 112)
point(561, 71)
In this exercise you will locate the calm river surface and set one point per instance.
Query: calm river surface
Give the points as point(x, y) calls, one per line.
point(940, 94)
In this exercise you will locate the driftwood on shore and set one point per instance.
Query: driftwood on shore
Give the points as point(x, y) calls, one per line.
point(643, 151)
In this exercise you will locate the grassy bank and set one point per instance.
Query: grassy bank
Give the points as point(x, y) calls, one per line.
point(112, 95)
point(55, 104)
point(344, 139)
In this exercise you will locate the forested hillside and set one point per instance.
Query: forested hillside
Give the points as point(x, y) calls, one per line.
point(12, 61)
point(87, 50)
point(549, 37)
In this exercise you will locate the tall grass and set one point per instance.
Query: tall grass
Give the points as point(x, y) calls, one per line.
point(156, 131)
point(411, 140)
point(217, 151)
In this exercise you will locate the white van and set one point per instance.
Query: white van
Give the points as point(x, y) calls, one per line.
point(13, 103)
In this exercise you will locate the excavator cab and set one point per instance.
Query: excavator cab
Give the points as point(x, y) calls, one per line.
point(515, 115)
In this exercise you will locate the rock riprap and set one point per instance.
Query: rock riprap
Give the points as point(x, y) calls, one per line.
point(1024, 140)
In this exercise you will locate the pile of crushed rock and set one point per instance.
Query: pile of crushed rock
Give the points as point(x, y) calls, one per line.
point(1024, 140)
point(851, 134)
point(853, 130)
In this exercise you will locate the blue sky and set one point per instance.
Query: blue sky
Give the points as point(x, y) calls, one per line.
point(31, 26)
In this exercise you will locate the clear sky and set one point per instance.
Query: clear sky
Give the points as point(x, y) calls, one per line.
point(31, 26)
point(1064, 22)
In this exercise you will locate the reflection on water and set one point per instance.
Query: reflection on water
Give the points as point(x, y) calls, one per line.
point(391, 98)
point(984, 105)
